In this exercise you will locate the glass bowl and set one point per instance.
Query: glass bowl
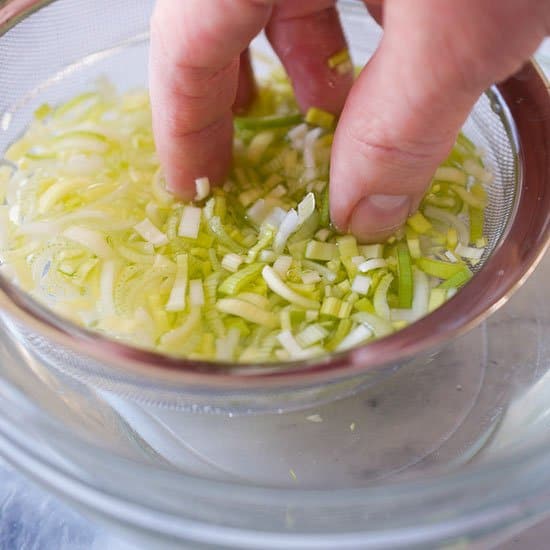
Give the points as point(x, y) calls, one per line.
point(433, 446)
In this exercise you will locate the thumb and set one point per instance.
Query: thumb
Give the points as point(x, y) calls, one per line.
point(409, 103)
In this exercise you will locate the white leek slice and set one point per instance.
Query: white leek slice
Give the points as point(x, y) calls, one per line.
point(275, 217)
point(371, 265)
point(288, 226)
point(93, 240)
point(84, 164)
point(311, 335)
point(469, 252)
point(202, 186)
point(361, 284)
point(310, 277)
point(256, 299)
point(231, 262)
point(55, 193)
point(190, 222)
point(151, 233)
point(196, 293)
point(176, 337)
point(325, 272)
point(306, 208)
point(309, 153)
point(289, 343)
point(275, 283)
point(359, 335)
point(282, 264)
point(267, 256)
point(258, 211)
point(226, 347)
point(247, 311)
point(421, 296)
point(381, 297)
point(380, 327)
point(81, 140)
point(297, 136)
point(450, 220)
point(177, 299)
point(451, 257)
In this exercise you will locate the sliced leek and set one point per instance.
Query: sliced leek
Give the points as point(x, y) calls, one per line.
point(250, 272)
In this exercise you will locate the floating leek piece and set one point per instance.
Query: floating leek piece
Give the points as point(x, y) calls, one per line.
point(251, 271)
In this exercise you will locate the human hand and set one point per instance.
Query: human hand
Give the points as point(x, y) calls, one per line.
point(399, 120)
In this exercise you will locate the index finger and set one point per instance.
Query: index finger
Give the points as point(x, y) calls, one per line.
point(194, 67)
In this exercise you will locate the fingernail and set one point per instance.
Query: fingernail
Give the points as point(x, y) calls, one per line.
point(378, 216)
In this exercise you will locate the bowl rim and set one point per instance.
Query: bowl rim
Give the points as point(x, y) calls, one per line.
point(526, 239)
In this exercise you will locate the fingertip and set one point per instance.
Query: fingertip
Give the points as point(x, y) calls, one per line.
point(186, 158)
point(178, 182)
point(377, 217)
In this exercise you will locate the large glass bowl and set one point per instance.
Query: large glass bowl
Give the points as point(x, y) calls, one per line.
point(66, 45)
point(445, 435)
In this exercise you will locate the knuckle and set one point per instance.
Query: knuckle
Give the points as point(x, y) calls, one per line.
point(180, 128)
point(390, 151)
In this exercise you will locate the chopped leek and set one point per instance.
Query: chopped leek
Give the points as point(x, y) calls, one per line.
point(477, 220)
point(457, 279)
point(203, 188)
point(359, 335)
point(248, 272)
point(247, 311)
point(437, 298)
point(176, 301)
point(338, 58)
point(151, 233)
point(404, 265)
point(275, 283)
point(190, 222)
point(452, 175)
point(381, 299)
point(240, 280)
point(341, 62)
point(361, 284)
point(318, 117)
point(317, 250)
point(372, 251)
point(438, 268)
point(371, 265)
point(231, 262)
point(469, 252)
point(419, 223)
